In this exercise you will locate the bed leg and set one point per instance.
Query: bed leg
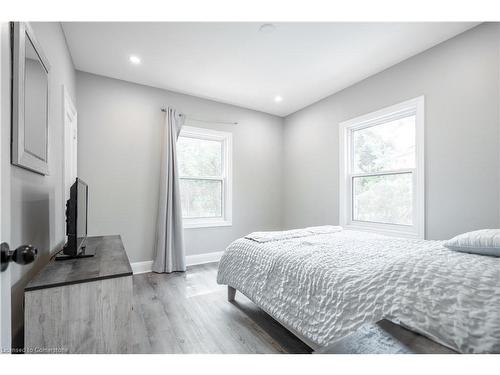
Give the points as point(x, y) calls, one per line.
point(231, 293)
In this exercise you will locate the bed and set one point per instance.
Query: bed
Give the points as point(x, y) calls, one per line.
point(323, 286)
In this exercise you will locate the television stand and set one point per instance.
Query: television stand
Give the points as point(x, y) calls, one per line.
point(85, 253)
point(81, 305)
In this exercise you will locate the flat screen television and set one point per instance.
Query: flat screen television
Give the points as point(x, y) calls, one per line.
point(76, 221)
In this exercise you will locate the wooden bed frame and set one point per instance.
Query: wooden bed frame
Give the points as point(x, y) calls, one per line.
point(231, 296)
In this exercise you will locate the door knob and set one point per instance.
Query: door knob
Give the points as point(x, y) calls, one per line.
point(24, 254)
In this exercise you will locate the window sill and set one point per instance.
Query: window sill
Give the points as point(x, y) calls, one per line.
point(207, 224)
point(384, 230)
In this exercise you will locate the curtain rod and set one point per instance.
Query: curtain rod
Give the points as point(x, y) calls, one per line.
point(207, 121)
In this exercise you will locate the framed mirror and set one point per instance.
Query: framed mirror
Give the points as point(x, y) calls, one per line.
point(30, 101)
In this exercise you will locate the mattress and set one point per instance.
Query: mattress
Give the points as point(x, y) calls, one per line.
point(325, 286)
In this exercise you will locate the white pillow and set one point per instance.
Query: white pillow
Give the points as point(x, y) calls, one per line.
point(484, 242)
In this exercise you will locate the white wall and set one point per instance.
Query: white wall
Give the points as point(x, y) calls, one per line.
point(36, 204)
point(119, 134)
point(460, 81)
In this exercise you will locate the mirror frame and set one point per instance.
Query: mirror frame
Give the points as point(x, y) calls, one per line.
point(20, 155)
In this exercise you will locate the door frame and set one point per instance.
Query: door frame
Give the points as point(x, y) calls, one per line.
point(70, 143)
point(5, 281)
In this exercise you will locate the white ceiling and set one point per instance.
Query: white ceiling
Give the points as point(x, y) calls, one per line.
point(235, 63)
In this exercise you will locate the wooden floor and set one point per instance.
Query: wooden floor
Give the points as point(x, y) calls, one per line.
point(189, 313)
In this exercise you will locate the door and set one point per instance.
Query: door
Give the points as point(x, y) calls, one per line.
point(22, 254)
point(70, 134)
point(5, 322)
point(70, 143)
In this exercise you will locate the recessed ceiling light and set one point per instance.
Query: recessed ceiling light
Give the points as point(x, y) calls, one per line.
point(267, 28)
point(278, 99)
point(134, 59)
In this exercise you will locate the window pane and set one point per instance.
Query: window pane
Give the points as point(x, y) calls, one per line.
point(384, 147)
point(383, 199)
point(201, 198)
point(199, 157)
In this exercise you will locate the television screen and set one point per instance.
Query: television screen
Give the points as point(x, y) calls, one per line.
point(76, 219)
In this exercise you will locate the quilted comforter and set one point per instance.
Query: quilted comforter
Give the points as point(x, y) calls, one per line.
point(325, 286)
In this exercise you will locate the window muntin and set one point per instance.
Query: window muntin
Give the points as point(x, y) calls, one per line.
point(204, 169)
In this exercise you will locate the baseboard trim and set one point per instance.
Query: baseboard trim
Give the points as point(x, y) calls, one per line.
point(142, 267)
point(191, 260)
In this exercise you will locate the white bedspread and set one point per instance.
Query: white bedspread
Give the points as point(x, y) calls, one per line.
point(327, 285)
point(289, 234)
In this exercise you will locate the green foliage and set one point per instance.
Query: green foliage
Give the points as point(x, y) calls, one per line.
point(197, 158)
point(384, 199)
point(384, 148)
point(201, 198)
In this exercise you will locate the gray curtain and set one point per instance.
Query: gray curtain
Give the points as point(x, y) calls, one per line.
point(169, 251)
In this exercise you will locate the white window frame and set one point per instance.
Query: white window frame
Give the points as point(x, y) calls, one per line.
point(226, 139)
point(417, 230)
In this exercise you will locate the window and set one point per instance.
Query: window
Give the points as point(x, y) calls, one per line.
point(382, 171)
point(204, 158)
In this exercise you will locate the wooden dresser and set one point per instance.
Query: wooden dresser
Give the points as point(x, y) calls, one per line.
point(81, 305)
